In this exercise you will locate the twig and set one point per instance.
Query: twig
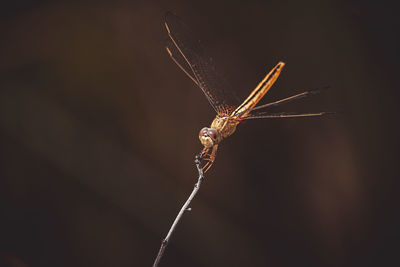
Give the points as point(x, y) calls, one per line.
point(184, 208)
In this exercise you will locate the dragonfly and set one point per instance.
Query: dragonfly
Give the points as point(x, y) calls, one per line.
point(188, 53)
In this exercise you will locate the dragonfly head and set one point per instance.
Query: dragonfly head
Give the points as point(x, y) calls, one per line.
point(209, 137)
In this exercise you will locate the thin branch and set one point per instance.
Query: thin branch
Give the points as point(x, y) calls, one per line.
point(184, 208)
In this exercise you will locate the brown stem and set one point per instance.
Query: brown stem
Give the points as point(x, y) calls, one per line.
point(185, 206)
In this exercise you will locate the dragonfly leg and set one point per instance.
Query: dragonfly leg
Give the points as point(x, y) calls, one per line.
point(211, 159)
point(204, 153)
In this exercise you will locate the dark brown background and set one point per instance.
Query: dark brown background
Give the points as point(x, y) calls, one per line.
point(98, 131)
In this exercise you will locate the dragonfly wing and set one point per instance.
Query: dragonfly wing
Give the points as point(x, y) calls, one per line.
point(201, 65)
point(180, 61)
point(279, 102)
point(263, 115)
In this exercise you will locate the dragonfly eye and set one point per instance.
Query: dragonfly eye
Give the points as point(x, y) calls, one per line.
point(203, 131)
point(213, 133)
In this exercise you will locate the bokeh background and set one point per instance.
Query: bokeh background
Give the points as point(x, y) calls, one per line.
point(98, 132)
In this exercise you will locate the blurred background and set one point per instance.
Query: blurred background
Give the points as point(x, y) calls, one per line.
point(98, 132)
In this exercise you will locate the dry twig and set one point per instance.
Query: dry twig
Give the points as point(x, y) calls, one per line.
point(184, 208)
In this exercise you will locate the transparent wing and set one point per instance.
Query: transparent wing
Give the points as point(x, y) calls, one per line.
point(256, 110)
point(285, 115)
point(180, 61)
point(200, 64)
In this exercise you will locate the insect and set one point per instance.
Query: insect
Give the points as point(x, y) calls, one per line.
point(189, 55)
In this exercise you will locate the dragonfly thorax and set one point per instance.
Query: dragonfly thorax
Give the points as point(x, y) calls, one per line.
point(225, 125)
